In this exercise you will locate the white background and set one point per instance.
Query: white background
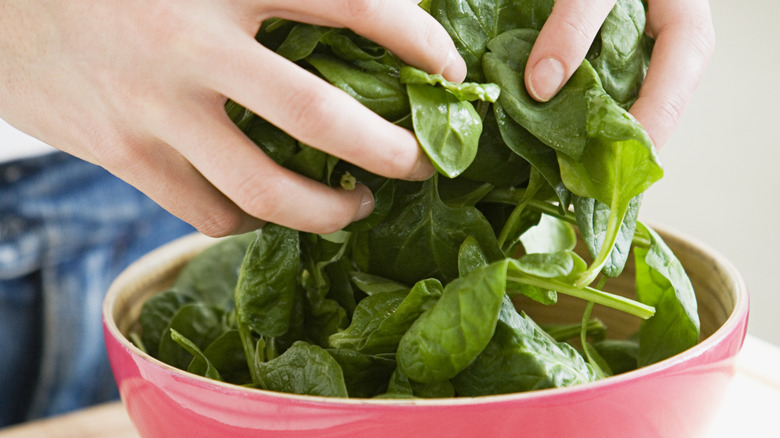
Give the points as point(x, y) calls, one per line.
point(722, 181)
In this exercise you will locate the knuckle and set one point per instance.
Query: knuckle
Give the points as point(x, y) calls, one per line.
point(261, 196)
point(577, 29)
point(310, 112)
point(363, 9)
point(401, 161)
point(439, 44)
point(672, 109)
point(702, 36)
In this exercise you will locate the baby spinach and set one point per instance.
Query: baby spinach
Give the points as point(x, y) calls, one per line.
point(416, 300)
point(448, 337)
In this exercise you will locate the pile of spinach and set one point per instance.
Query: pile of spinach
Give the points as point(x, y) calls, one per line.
point(415, 300)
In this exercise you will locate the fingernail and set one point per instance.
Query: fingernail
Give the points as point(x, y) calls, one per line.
point(423, 169)
point(366, 204)
point(454, 66)
point(546, 79)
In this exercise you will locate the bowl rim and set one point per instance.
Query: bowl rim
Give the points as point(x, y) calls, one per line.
point(196, 242)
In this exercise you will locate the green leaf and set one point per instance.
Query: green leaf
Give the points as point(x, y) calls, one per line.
point(450, 335)
point(210, 370)
point(198, 322)
point(380, 92)
point(620, 51)
point(496, 163)
point(365, 375)
point(421, 235)
point(521, 357)
point(593, 222)
point(470, 256)
point(462, 91)
point(211, 276)
point(447, 128)
point(302, 41)
point(661, 282)
point(374, 284)
point(621, 355)
point(304, 369)
point(560, 123)
point(156, 315)
point(381, 320)
point(325, 315)
point(226, 355)
point(472, 23)
point(549, 235)
point(268, 280)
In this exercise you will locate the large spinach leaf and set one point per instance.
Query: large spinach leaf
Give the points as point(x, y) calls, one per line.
point(421, 235)
point(521, 357)
point(661, 282)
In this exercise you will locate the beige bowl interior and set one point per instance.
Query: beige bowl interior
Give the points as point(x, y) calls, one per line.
point(717, 284)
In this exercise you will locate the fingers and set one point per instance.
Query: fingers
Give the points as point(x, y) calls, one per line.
point(163, 174)
point(255, 184)
point(314, 112)
point(401, 26)
point(685, 40)
point(562, 44)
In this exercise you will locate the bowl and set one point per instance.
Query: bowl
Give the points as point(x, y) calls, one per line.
point(676, 397)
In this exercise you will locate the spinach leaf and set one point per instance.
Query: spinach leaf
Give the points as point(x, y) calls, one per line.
point(462, 91)
point(304, 369)
point(421, 235)
point(521, 357)
point(210, 371)
point(324, 314)
point(381, 92)
point(593, 222)
point(448, 129)
point(548, 236)
point(448, 337)
point(374, 284)
point(365, 375)
point(156, 315)
point(267, 282)
point(473, 23)
point(620, 354)
point(470, 256)
point(211, 276)
point(381, 320)
point(496, 163)
point(661, 282)
point(539, 155)
point(302, 40)
point(620, 51)
point(226, 355)
point(560, 123)
point(198, 322)
point(619, 164)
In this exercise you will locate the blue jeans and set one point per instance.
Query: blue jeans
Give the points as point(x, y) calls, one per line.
point(67, 229)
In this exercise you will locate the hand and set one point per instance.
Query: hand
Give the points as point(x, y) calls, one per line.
point(685, 41)
point(139, 88)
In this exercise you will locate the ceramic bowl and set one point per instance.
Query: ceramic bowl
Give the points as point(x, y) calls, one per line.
point(676, 397)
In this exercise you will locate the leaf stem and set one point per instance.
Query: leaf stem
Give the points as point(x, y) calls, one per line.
point(515, 196)
point(587, 293)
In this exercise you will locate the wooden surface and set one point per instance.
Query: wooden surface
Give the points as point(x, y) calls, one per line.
point(750, 410)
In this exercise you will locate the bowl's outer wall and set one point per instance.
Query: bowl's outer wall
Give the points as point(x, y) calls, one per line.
point(673, 398)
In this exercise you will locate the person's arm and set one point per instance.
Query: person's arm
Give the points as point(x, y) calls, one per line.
point(685, 40)
point(139, 88)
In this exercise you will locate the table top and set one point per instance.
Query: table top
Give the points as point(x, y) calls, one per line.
point(749, 410)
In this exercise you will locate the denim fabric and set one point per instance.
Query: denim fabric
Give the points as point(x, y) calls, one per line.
point(67, 229)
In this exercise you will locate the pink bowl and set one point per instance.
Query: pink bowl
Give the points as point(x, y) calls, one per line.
point(676, 397)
